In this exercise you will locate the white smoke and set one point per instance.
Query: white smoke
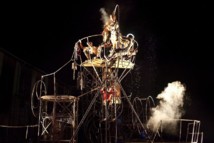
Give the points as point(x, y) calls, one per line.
point(104, 16)
point(169, 107)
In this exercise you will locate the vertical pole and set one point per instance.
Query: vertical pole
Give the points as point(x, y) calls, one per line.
point(54, 110)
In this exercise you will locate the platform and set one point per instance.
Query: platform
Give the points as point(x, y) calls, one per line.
point(122, 64)
point(58, 98)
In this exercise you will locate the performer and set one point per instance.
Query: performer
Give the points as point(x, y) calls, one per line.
point(127, 50)
point(91, 51)
point(111, 91)
point(107, 93)
point(111, 33)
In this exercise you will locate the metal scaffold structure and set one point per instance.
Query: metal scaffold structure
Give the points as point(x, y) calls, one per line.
point(103, 61)
point(104, 110)
point(57, 113)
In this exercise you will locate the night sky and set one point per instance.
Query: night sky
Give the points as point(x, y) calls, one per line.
point(175, 41)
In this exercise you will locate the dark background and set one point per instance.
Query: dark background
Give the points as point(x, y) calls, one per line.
point(175, 42)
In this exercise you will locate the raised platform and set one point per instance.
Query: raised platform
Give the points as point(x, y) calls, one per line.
point(122, 64)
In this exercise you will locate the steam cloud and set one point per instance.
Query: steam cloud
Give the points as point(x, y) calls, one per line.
point(169, 107)
point(104, 16)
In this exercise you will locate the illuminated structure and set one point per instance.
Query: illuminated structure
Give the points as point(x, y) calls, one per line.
point(108, 114)
point(104, 60)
